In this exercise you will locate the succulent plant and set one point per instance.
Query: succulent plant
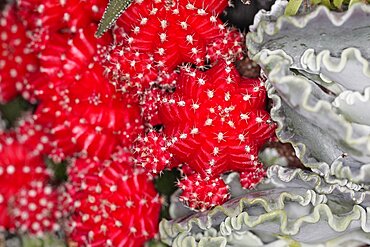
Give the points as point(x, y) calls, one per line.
point(320, 102)
point(319, 89)
point(16, 60)
point(185, 105)
point(18, 168)
point(136, 70)
point(55, 15)
point(83, 110)
point(150, 100)
point(171, 30)
point(132, 71)
point(288, 208)
point(205, 117)
point(110, 204)
point(116, 8)
point(293, 213)
point(35, 209)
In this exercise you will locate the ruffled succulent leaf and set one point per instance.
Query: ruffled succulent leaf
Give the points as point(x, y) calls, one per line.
point(296, 214)
point(349, 104)
point(297, 7)
point(292, 204)
point(283, 177)
point(348, 69)
point(351, 2)
point(319, 88)
point(277, 10)
point(113, 11)
point(274, 32)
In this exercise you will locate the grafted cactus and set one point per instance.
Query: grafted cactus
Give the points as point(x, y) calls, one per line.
point(319, 80)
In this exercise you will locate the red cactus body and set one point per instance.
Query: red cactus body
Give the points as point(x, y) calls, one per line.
point(251, 177)
point(149, 103)
point(16, 60)
point(136, 72)
point(202, 194)
point(113, 205)
point(63, 60)
point(128, 69)
point(66, 56)
point(31, 134)
point(153, 154)
point(83, 110)
point(56, 15)
point(173, 31)
point(216, 122)
point(91, 117)
point(35, 209)
point(229, 47)
point(52, 49)
point(163, 34)
point(19, 165)
point(219, 117)
point(135, 12)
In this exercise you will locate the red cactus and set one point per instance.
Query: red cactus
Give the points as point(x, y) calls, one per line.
point(229, 47)
point(32, 134)
point(127, 68)
point(215, 122)
point(152, 152)
point(91, 117)
point(135, 12)
point(219, 117)
point(19, 165)
point(149, 103)
point(66, 56)
point(252, 176)
point(173, 31)
point(165, 35)
point(16, 60)
point(57, 15)
point(135, 72)
point(35, 209)
point(113, 206)
point(202, 194)
point(63, 60)
point(83, 110)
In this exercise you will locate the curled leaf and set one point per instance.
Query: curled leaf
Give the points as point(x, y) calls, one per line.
point(293, 7)
point(112, 13)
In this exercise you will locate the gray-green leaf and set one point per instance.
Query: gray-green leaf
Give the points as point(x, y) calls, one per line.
point(112, 13)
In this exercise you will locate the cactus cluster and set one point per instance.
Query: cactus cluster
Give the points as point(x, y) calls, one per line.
point(172, 87)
